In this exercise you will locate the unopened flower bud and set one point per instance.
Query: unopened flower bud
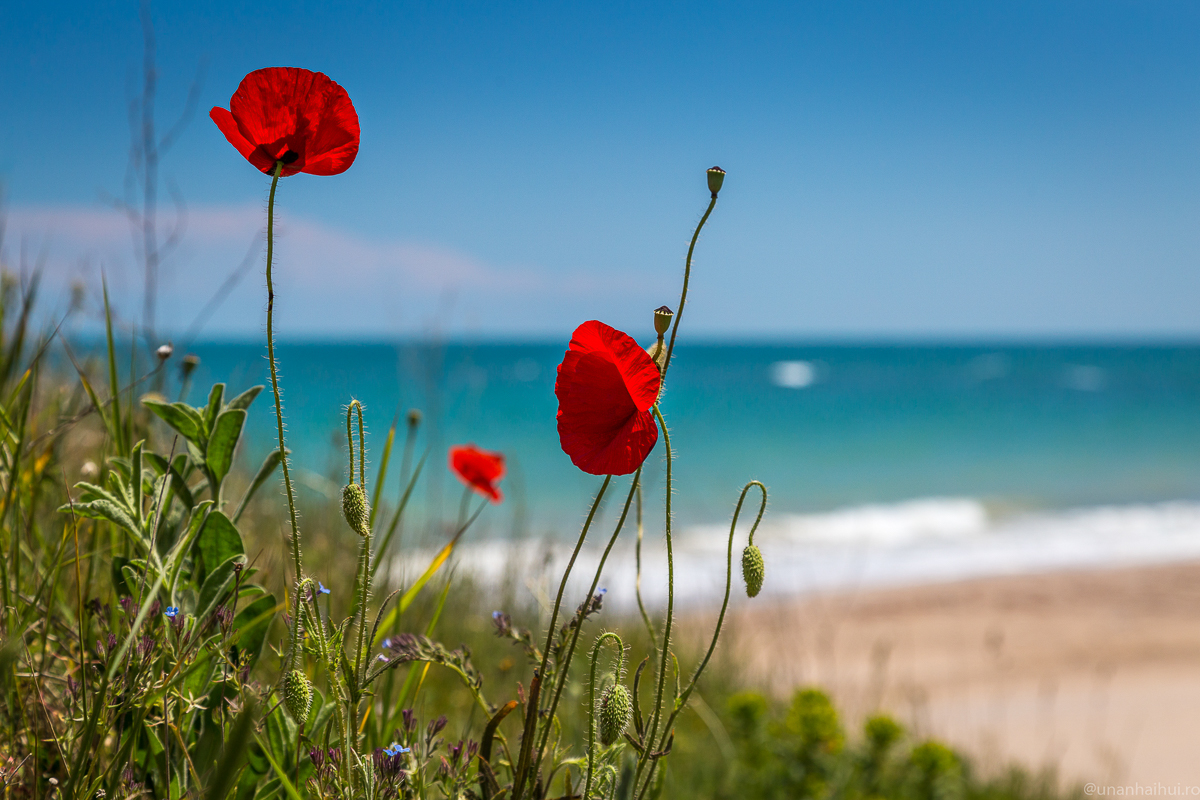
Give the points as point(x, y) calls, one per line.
point(164, 352)
point(753, 570)
point(354, 507)
point(615, 711)
point(662, 319)
point(716, 177)
point(414, 417)
point(190, 362)
point(297, 695)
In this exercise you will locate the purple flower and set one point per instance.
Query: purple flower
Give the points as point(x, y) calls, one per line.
point(171, 612)
point(322, 588)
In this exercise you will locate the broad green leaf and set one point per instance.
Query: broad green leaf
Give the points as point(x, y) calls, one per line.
point(221, 444)
point(233, 755)
point(219, 541)
point(251, 644)
point(106, 510)
point(244, 399)
point(216, 397)
point(216, 586)
point(178, 484)
point(268, 466)
point(182, 418)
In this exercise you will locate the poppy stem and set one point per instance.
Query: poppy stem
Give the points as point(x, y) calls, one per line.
point(637, 586)
point(687, 273)
point(620, 645)
point(283, 459)
point(687, 691)
point(666, 637)
point(531, 705)
point(565, 666)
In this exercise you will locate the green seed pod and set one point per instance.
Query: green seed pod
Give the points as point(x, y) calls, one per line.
point(615, 711)
point(716, 177)
point(753, 570)
point(297, 695)
point(662, 319)
point(354, 507)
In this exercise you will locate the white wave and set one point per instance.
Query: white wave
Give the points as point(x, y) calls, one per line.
point(793, 374)
point(917, 541)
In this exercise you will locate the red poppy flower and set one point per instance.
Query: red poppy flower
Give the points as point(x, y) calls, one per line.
point(606, 386)
point(479, 469)
point(292, 115)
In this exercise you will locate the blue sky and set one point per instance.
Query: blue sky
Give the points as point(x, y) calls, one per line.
point(895, 169)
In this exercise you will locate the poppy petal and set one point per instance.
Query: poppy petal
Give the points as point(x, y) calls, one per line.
point(295, 115)
point(606, 385)
point(478, 469)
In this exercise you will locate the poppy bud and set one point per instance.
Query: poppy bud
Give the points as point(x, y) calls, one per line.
point(190, 362)
point(164, 352)
point(662, 319)
point(297, 695)
point(615, 711)
point(753, 570)
point(354, 507)
point(414, 417)
point(716, 177)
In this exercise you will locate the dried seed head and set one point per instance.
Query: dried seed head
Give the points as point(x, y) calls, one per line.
point(753, 570)
point(615, 711)
point(354, 507)
point(297, 695)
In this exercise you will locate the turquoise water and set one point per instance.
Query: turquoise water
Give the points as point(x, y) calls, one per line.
point(824, 426)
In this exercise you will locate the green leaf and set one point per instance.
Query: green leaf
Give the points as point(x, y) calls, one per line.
point(219, 541)
point(244, 399)
point(268, 466)
point(106, 510)
point(114, 387)
point(251, 643)
point(216, 586)
point(233, 754)
point(216, 396)
point(178, 484)
point(221, 444)
point(181, 417)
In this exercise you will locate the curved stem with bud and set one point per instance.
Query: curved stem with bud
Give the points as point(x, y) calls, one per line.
point(620, 645)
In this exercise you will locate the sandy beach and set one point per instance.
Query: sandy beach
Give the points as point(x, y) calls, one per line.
point(1095, 673)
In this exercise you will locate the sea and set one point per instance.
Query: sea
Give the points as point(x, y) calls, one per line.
point(886, 463)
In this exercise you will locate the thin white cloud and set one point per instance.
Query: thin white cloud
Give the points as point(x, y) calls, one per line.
point(335, 280)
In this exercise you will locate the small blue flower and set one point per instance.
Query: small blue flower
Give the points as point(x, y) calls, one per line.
point(387, 643)
point(395, 749)
point(171, 612)
point(322, 588)
point(604, 591)
point(382, 657)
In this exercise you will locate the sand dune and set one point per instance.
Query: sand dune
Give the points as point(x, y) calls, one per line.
point(1096, 673)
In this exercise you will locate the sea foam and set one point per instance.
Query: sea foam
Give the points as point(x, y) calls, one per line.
point(917, 541)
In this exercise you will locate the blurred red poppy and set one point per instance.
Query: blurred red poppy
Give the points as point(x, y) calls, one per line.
point(606, 386)
point(479, 469)
point(292, 115)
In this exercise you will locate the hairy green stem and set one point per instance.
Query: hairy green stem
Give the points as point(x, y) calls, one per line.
point(666, 638)
point(687, 274)
point(531, 705)
point(565, 665)
point(762, 507)
point(609, 635)
point(637, 585)
point(283, 459)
